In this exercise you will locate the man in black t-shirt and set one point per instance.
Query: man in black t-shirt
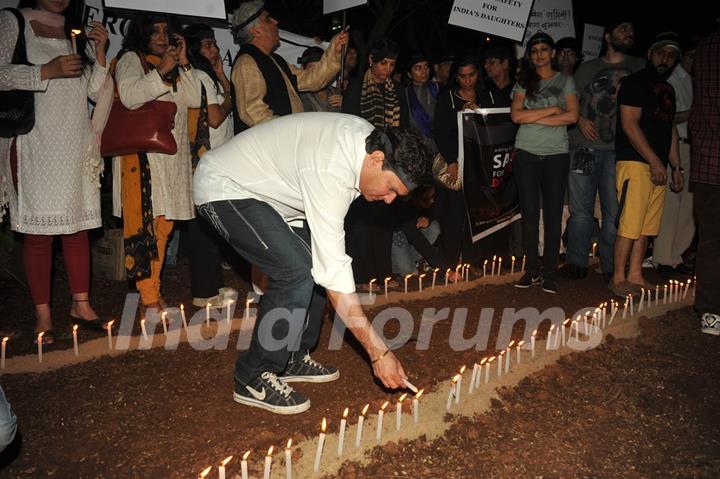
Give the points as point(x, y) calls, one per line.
point(646, 140)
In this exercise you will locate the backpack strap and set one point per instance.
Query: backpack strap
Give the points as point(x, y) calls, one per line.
point(20, 53)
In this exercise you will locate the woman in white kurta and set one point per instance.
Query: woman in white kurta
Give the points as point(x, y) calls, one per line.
point(49, 176)
point(148, 218)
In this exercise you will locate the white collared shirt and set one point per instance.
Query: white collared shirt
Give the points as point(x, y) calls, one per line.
point(306, 166)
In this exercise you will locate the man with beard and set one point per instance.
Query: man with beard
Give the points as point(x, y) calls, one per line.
point(592, 150)
point(646, 140)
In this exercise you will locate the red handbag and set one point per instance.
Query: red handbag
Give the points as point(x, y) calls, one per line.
point(146, 129)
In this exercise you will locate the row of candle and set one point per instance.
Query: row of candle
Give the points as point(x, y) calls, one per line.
point(497, 262)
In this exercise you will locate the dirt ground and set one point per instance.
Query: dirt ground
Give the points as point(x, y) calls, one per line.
point(637, 408)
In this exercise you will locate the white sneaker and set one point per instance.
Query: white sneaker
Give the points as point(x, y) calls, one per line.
point(648, 262)
point(710, 324)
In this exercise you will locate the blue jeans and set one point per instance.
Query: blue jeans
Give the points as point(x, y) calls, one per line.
point(259, 234)
point(591, 171)
point(8, 422)
point(404, 255)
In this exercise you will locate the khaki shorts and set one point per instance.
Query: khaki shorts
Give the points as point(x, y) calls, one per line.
point(641, 201)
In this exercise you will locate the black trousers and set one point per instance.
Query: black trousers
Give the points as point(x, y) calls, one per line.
point(205, 244)
point(541, 184)
point(452, 215)
point(706, 199)
point(368, 238)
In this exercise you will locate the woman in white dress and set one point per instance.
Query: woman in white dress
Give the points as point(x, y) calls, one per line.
point(49, 176)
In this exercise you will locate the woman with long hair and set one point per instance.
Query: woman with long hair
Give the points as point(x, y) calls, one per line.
point(210, 126)
point(50, 175)
point(544, 103)
point(156, 187)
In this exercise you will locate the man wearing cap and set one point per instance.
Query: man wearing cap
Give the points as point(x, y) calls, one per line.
point(646, 141)
point(592, 151)
point(327, 99)
point(279, 193)
point(500, 76)
point(264, 85)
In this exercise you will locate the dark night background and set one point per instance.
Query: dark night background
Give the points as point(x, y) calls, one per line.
point(422, 24)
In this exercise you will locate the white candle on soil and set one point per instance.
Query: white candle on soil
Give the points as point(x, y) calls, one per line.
point(512, 265)
point(451, 393)
point(288, 460)
point(4, 348)
point(687, 287)
point(487, 369)
point(39, 344)
point(507, 355)
point(321, 443)
point(248, 302)
point(434, 277)
point(500, 266)
point(229, 308)
point(221, 467)
point(642, 299)
point(386, 280)
point(182, 315)
point(109, 333)
point(459, 385)
point(420, 281)
point(492, 270)
point(341, 437)
point(143, 329)
point(207, 314)
point(467, 271)
point(519, 350)
point(500, 363)
point(523, 263)
point(361, 422)
point(564, 326)
point(480, 369)
point(398, 412)
point(632, 305)
point(485, 268)
point(75, 341)
point(244, 466)
point(657, 294)
point(457, 273)
point(665, 289)
point(532, 344)
point(163, 318)
point(268, 463)
point(381, 414)
point(473, 377)
point(407, 277)
point(416, 407)
point(447, 276)
point(371, 285)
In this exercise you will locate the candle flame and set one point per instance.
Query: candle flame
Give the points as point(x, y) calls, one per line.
point(520, 343)
point(485, 263)
point(5, 339)
point(373, 280)
point(226, 460)
point(448, 270)
point(110, 323)
point(408, 276)
point(164, 313)
point(419, 393)
point(364, 410)
point(205, 472)
point(511, 344)
point(422, 275)
point(456, 378)
point(494, 257)
point(402, 398)
point(462, 369)
point(388, 279)
point(230, 301)
point(270, 451)
point(482, 361)
point(492, 358)
point(566, 321)
point(245, 456)
point(182, 306)
point(289, 444)
point(345, 413)
point(513, 258)
point(324, 425)
point(552, 327)
point(534, 332)
point(501, 353)
point(75, 328)
point(436, 270)
point(75, 31)
point(40, 335)
point(384, 405)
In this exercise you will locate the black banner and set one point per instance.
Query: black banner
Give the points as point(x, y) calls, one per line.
point(487, 139)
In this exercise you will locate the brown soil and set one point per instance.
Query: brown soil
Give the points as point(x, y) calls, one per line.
point(170, 414)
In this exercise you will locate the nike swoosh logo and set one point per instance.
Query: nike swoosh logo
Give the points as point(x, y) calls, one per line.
point(259, 395)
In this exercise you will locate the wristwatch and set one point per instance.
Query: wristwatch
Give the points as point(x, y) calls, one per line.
point(678, 168)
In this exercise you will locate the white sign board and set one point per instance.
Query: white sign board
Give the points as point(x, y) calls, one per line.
point(554, 17)
point(330, 6)
point(592, 41)
point(503, 18)
point(193, 8)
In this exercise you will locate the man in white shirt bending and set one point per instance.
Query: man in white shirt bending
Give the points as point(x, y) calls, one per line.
point(278, 193)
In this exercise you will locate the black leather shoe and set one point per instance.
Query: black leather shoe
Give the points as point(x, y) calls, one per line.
point(573, 272)
point(97, 324)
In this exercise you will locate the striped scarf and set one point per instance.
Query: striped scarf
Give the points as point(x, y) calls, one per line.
point(381, 109)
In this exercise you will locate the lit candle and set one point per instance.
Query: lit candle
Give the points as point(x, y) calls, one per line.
point(182, 315)
point(407, 277)
point(207, 314)
point(473, 377)
point(2, 355)
point(507, 357)
point(577, 328)
point(341, 439)
point(457, 272)
point(75, 341)
point(519, 353)
point(564, 325)
point(657, 294)
point(74, 33)
point(381, 413)
point(532, 344)
point(371, 286)
point(109, 333)
point(398, 412)
point(642, 299)
point(229, 307)
point(467, 271)
point(447, 276)
point(523, 263)
point(500, 363)
point(288, 459)
point(420, 281)
point(386, 284)
point(205, 472)
point(434, 276)
point(594, 250)
point(665, 289)
point(268, 464)
point(164, 321)
point(492, 270)
point(451, 393)
point(221, 467)
point(499, 265)
point(487, 369)
point(459, 385)
point(142, 328)
point(687, 287)
point(248, 302)
point(39, 343)
point(694, 285)
point(477, 379)
point(625, 307)
point(416, 407)
point(244, 466)
point(321, 443)
point(512, 265)
point(361, 422)
point(632, 305)
point(485, 268)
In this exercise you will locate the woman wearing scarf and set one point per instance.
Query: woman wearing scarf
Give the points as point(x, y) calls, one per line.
point(376, 97)
point(49, 176)
point(156, 188)
point(421, 95)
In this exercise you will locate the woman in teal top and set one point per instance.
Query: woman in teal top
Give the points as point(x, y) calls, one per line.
point(544, 103)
